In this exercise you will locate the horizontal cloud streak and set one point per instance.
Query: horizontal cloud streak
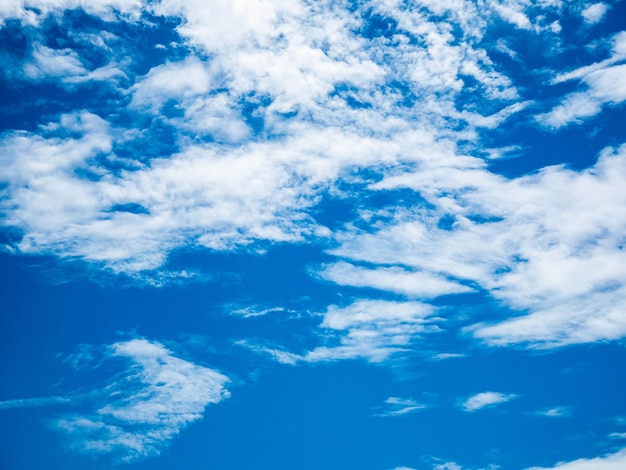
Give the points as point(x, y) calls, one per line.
point(484, 400)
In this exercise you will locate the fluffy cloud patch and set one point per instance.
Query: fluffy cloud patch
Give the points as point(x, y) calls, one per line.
point(484, 400)
point(595, 13)
point(614, 461)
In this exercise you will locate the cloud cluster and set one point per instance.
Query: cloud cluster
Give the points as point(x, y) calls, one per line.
point(272, 108)
point(145, 406)
point(547, 245)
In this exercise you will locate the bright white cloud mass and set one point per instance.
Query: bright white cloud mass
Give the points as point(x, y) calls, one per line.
point(485, 399)
point(449, 175)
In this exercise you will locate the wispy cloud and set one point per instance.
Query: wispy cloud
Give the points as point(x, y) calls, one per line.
point(558, 412)
point(604, 86)
point(144, 407)
point(256, 311)
point(40, 401)
point(521, 240)
point(393, 279)
point(614, 461)
point(395, 406)
point(485, 399)
point(444, 356)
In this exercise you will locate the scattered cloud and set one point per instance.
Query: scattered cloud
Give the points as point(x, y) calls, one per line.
point(595, 13)
point(373, 330)
point(614, 461)
point(447, 466)
point(257, 311)
point(558, 412)
point(393, 279)
point(39, 401)
point(485, 399)
point(444, 356)
point(143, 408)
point(395, 406)
point(603, 86)
point(533, 243)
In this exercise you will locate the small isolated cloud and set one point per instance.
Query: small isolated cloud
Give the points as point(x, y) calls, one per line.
point(557, 412)
point(616, 461)
point(617, 435)
point(257, 311)
point(395, 406)
point(485, 399)
point(444, 356)
point(594, 13)
point(142, 409)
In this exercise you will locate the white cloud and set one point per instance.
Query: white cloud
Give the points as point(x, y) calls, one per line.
point(617, 435)
point(485, 399)
point(604, 86)
point(448, 466)
point(614, 461)
point(146, 406)
point(444, 356)
point(558, 412)
point(393, 279)
point(535, 243)
point(257, 311)
point(594, 13)
point(33, 402)
point(243, 188)
point(395, 406)
point(373, 330)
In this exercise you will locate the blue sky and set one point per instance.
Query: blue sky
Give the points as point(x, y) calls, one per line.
point(285, 234)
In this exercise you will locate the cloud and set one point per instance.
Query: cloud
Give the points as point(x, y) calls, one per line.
point(448, 466)
point(558, 412)
point(614, 461)
point(372, 330)
point(39, 401)
point(604, 86)
point(393, 279)
point(485, 399)
point(444, 356)
point(534, 243)
point(140, 410)
point(595, 13)
point(257, 311)
point(293, 100)
point(395, 406)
